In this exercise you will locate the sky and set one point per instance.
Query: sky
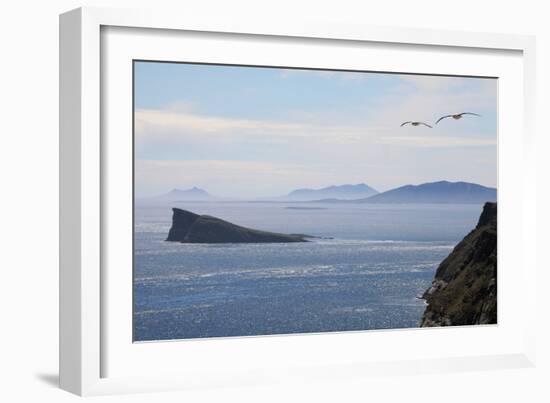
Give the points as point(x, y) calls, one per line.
point(250, 132)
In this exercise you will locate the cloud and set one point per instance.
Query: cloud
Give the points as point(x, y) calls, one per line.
point(170, 119)
point(424, 98)
point(168, 127)
point(245, 155)
point(429, 97)
point(438, 142)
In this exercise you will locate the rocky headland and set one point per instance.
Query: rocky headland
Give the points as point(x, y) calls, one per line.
point(464, 290)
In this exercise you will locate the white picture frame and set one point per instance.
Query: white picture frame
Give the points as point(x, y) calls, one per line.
point(86, 346)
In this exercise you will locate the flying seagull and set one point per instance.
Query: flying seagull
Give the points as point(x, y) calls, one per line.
point(456, 116)
point(415, 124)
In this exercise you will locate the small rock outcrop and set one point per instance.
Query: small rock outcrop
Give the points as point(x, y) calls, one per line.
point(188, 227)
point(464, 290)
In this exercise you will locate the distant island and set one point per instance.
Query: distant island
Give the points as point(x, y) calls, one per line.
point(441, 192)
point(188, 227)
point(437, 192)
point(430, 193)
point(464, 290)
point(343, 192)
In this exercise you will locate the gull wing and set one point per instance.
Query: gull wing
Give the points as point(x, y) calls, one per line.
point(405, 123)
point(443, 117)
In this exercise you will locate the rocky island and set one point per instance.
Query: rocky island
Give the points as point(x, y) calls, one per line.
point(188, 227)
point(464, 290)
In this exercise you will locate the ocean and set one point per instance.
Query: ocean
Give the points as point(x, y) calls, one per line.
point(368, 275)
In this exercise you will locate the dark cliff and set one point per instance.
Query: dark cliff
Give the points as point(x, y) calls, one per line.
point(188, 227)
point(464, 290)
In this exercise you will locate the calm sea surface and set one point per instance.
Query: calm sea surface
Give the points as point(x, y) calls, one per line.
point(367, 277)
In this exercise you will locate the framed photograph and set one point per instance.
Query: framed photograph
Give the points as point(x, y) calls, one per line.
point(251, 202)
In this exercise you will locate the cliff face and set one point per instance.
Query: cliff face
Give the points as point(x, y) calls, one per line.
point(464, 290)
point(188, 227)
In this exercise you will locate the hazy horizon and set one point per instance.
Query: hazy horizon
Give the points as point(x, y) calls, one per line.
point(300, 188)
point(263, 132)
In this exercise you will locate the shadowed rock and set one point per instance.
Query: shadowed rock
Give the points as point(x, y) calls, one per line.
point(464, 290)
point(188, 227)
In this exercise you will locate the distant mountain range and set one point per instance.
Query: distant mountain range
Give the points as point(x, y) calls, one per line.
point(436, 192)
point(342, 192)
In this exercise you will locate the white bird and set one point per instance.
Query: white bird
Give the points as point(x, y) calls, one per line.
point(415, 124)
point(456, 116)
